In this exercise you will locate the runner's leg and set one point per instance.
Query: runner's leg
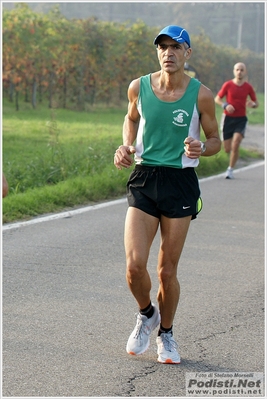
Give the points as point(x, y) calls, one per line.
point(140, 230)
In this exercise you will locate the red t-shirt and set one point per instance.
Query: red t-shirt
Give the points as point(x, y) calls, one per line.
point(237, 96)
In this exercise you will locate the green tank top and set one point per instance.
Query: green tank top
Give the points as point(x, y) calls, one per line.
point(164, 126)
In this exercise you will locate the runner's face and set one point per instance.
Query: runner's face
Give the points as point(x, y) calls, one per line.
point(171, 54)
point(239, 71)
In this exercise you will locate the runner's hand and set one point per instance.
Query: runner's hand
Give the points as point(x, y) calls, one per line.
point(122, 156)
point(192, 147)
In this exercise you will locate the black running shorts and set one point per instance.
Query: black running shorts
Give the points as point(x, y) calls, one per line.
point(166, 191)
point(233, 125)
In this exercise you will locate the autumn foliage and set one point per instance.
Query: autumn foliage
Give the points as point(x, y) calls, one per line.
point(72, 63)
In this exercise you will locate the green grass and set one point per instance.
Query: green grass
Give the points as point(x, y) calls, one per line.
point(256, 116)
point(60, 159)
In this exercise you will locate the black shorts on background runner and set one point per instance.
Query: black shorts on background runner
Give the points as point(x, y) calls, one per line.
point(233, 125)
point(160, 190)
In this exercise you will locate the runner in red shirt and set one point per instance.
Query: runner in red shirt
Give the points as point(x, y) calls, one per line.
point(236, 92)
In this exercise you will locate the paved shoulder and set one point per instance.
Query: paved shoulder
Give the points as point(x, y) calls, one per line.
point(254, 138)
point(67, 312)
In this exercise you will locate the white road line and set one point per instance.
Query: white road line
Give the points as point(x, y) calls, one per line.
point(89, 208)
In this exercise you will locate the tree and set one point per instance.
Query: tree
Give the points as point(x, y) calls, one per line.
point(74, 62)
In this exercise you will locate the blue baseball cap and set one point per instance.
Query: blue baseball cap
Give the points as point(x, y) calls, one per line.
point(176, 33)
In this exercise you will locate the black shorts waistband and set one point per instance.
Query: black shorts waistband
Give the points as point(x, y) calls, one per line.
point(150, 168)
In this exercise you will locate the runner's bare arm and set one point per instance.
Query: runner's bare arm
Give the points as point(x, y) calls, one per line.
point(122, 157)
point(206, 106)
point(228, 107)
point(131, 121)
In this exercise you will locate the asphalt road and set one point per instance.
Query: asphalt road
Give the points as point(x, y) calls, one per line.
point(67, 312)
point(254, 138)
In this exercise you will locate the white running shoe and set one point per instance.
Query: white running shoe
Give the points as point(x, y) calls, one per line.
point(167, 349)
point(139, 339)
point(229, 173)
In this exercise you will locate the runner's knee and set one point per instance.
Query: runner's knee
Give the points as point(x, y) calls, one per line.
point(166, 275)
point(135, 269)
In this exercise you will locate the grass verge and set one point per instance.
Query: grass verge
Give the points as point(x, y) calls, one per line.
point(60, 159)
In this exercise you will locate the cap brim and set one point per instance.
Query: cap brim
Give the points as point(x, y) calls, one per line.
point(181, 40)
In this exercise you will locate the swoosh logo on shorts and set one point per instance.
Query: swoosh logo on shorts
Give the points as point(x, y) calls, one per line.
point(186, 207)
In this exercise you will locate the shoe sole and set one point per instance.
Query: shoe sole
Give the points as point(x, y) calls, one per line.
point(168, 361)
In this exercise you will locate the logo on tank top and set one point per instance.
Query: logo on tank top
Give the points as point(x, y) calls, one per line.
point(179, 117)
